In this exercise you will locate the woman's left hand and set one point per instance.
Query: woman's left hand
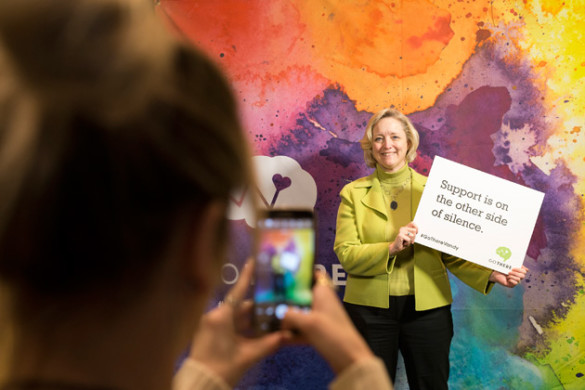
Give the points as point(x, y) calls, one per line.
point(512, 279)
point(404, 238)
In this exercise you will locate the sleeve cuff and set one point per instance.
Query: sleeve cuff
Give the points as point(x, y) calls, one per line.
point(193, 376)
point(365, 374)
point(488, 287)
point(390, 264)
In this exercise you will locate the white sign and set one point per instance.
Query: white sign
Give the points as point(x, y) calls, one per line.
point(281, 183)
point(476, 216)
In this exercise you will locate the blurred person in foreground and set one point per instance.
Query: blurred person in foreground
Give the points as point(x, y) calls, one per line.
point(119, 148)
point(398, 293)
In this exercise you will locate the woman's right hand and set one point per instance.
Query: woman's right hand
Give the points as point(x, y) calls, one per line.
point(404, 238)
point(219, 343)
point(328, 328)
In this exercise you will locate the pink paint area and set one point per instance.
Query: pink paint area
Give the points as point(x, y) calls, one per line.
point(241, 35)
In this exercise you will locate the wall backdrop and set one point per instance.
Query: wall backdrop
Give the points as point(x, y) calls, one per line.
point(496, 85)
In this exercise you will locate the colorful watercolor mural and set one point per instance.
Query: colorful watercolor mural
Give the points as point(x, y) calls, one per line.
point(493, 84)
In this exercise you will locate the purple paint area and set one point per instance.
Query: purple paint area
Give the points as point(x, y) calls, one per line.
point(465, 133)
point(332, 161)
point(343, 152)
point(335, 112)
point(466, 136)
point(290, 368)
point(552, 277)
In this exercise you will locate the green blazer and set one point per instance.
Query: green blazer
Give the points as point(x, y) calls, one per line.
point(363, 251)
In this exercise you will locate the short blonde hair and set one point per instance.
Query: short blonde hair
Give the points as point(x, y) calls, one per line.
point(411, 135)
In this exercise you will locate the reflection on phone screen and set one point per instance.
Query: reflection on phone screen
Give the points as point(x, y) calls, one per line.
point(284, 269)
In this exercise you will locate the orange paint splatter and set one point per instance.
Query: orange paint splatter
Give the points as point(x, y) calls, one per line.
point(482, 35)
point(553, 7)
point(440, 32)
point(373, 34)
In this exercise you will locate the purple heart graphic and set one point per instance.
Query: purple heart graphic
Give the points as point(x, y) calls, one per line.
point(281, 183)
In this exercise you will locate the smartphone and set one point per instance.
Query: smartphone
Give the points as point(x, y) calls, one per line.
point(285, 256)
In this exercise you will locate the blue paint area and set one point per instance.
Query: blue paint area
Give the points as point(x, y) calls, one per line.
point(479, 365)
point(298, 367)
point(486, 329)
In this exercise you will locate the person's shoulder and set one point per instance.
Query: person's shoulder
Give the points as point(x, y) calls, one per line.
point(362, 182)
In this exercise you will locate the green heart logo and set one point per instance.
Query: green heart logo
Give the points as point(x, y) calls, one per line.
point(504, 252)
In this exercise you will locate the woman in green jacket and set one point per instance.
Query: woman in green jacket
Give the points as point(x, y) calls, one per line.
point(398, 293)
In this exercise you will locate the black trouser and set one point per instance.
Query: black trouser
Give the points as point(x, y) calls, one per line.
point(423, 338)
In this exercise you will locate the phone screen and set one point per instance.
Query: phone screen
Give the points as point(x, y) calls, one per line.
point(284, 266)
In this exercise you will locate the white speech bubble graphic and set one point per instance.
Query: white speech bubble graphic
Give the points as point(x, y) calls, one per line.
point(282, 183)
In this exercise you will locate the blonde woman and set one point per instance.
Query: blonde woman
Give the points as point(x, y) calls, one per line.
point(398, 293)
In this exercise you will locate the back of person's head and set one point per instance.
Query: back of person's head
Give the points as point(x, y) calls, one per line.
point(112, 134)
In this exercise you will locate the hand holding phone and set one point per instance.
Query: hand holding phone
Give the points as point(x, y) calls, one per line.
point(284, 266)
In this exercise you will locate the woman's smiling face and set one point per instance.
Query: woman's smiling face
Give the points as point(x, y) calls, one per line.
point(389, 144)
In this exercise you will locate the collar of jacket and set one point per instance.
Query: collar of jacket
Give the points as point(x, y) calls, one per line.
point(374, 197)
